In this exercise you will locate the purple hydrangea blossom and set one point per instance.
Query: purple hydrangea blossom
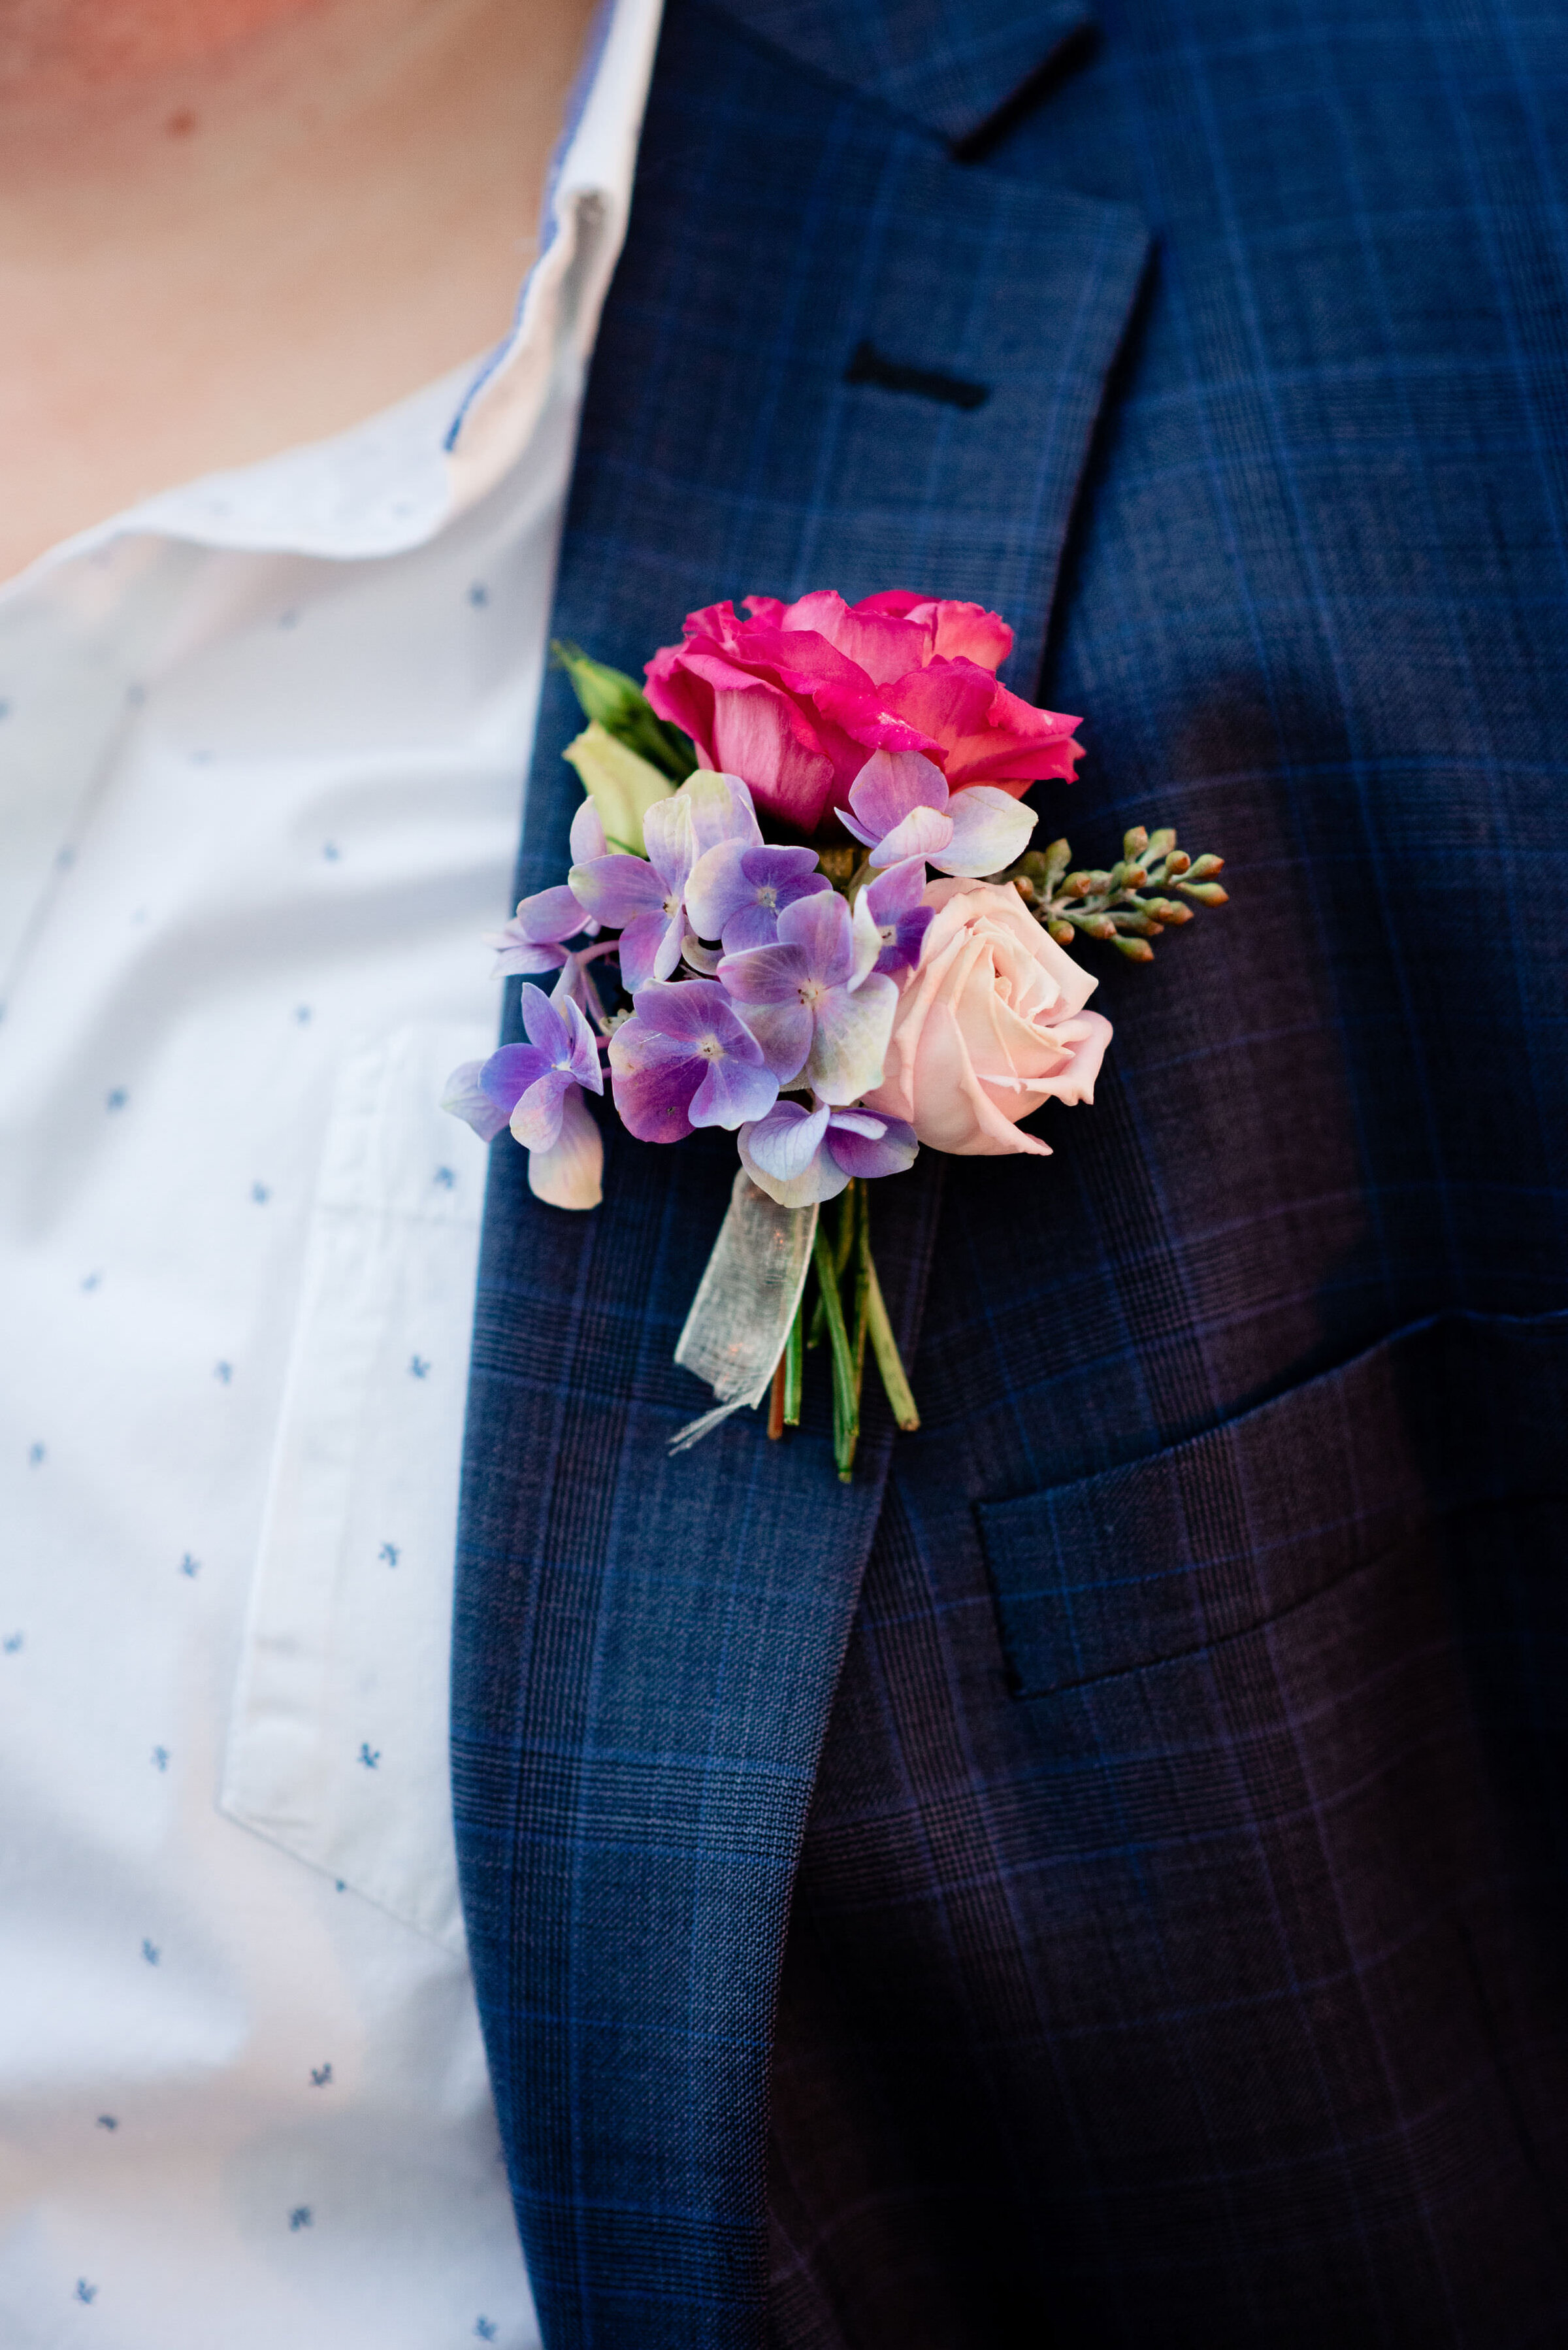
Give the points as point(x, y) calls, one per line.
point(684, 1059)
point(536, 1090)
point(893, 902)
point(797, 1155)
point(645, 900)
point(819, 1010)
point(738, 889)
point(534, 940)
point(899, 806)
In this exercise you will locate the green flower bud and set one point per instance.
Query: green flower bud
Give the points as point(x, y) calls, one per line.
point(622, 786)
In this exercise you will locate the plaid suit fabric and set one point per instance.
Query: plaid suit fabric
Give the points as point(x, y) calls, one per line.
point(1206, 1987)
point(644, 1650)
point(1172, 1954)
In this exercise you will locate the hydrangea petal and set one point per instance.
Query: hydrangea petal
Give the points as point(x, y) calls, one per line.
point(820, 927)
point(719, 809)
point(717, 887)
point(653, 1089)
point(786, 1141)
point(536, 1120)
point(766, 974)
point(549, 916)
point(733, 1091)
point(924, 832)
point(889, 1151)
point(849, 1041)
point(783, 1033)
point(466, 1098)
point(555, 1027)
point(639, 946)
point(819, 1178)
point(989, 830)
point(517, 959)
point(614, 889)
point(867, 939)
point(510, 1070)
point(667, 831)
point(891, 784)
point(587, 833)
point(570, 1173)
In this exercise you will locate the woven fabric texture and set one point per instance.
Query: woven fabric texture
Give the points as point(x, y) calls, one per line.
point(1098, 1880)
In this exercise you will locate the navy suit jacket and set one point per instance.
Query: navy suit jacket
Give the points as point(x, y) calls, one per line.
point(1099, 1878)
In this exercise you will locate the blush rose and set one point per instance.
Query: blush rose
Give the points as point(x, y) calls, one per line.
point(796, 697)
point(990, 1026)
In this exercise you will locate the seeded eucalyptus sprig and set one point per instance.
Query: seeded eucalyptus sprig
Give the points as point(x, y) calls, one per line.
point(1127, 904)
point(623, 710)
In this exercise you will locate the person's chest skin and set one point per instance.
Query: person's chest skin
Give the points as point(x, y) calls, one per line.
point(218, 243)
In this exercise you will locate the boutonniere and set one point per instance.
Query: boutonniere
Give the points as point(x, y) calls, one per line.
point(803, 906)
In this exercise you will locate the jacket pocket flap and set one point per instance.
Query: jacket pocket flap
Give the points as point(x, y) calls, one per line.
point(1216, 1536)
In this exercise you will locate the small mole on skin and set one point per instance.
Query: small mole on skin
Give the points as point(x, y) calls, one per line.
point(181, 123)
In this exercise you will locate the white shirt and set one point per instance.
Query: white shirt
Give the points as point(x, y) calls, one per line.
point(261, 743)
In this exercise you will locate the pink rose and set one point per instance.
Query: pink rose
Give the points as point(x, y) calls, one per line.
point(990, 1024)
point(797, 698)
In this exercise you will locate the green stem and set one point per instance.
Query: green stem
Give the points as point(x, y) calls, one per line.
point(862, 1293)
point(845, 1426)
point(841, 1248)
point(885, 1347)
point(794, 1365)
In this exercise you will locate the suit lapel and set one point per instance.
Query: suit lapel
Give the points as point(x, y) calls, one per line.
point(645, 1648)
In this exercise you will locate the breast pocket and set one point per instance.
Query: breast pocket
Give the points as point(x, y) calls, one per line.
point(1453, 1428)
point(337, 1738)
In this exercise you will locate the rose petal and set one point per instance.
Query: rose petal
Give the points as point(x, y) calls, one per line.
point(959, 630)
point(876, 642)
point(758, 733)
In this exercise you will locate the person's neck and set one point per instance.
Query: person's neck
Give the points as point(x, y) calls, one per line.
point(230, 225)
